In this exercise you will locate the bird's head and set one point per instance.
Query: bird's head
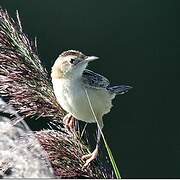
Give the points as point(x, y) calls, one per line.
point(70, 63)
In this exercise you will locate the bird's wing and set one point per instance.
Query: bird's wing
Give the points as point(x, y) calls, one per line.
point(94, 80)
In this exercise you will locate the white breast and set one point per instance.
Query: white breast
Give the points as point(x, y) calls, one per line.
point(72, 98)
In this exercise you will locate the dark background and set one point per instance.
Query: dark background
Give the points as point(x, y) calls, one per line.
point(138, 44)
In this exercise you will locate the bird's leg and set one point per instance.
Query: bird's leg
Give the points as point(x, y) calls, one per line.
point(90, 157)
point(70, 122)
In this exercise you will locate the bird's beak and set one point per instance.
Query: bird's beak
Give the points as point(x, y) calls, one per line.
point(91, 58)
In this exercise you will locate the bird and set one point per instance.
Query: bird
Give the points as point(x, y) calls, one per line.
point(72, 81)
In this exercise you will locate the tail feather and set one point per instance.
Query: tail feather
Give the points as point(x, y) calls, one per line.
point(121, 89)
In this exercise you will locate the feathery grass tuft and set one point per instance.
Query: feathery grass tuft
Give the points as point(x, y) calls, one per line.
point(24, 81)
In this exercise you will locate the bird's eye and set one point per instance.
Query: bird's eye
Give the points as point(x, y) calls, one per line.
point(72, 61)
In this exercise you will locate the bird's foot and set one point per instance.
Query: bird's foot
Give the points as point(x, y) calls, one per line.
point(70, 122)
point(89, 157)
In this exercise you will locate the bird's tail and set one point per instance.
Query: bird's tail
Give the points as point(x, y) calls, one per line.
point(121, 89)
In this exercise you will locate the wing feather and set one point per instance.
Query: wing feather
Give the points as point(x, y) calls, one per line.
point(94, 80)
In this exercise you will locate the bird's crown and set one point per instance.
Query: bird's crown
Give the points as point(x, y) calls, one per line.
point(73, 53)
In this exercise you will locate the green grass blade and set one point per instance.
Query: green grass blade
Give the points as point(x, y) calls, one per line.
point(114, 165)
point(116, 170)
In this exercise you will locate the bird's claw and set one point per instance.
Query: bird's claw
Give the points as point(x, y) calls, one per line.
point(70, 122)
point(89, 157)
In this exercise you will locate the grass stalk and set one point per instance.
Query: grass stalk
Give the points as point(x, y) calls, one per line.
point(113, 162)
